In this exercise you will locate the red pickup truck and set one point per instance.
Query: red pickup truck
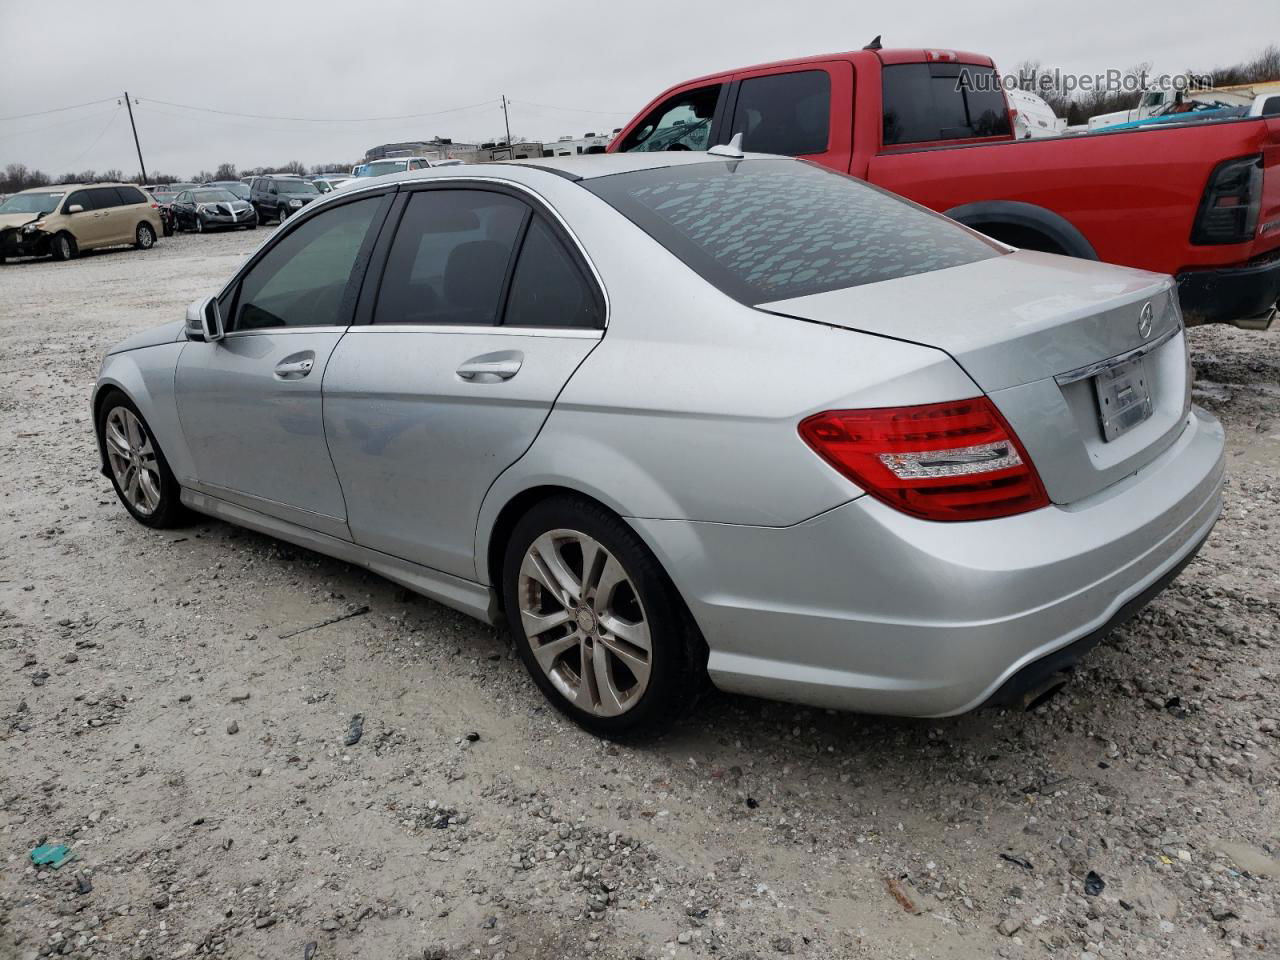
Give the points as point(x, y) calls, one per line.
point(1199, 200)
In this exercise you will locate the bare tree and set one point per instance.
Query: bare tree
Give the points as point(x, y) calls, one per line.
point(226, 171)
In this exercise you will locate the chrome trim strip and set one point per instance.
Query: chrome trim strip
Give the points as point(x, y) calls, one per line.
point(1089, 370)
point(562, 333)
point(409, 179)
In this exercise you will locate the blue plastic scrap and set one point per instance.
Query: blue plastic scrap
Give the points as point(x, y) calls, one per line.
point(52, 855)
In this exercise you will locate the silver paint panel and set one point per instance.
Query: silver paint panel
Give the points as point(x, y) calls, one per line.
point(256, 434)
point(416, 446)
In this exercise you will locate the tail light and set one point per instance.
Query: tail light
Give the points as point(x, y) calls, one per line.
point(939, 461)
point(1229, 209)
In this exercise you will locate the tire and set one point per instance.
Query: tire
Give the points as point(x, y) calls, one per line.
point(64, 247)
point(144, 236)
point(252, 226)
point(155, 478)
point(168, 230)
point(199, 225)
point(282, 214)
point(640, 606)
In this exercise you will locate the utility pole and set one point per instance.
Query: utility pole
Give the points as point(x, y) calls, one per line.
point(138, 145)
point(505, 121)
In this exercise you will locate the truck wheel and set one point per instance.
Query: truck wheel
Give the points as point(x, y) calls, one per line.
point(64, 247)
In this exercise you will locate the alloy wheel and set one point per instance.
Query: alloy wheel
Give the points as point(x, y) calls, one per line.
point(199, 225)
point(146, 236)
point(133, 460)
point(585, 623)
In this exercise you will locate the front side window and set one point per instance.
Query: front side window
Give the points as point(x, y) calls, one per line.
point(548, 289)
point(925, 102)
point(765, 230)
point(681, 122)
point(450, 258)
point(81, 198)
point(787, 113)
point(302, 280)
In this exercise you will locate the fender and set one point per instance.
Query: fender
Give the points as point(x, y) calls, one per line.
point(1028, 216)
point(146, 377)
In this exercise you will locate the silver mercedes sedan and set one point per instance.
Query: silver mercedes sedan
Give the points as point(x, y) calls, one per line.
point(678, 416)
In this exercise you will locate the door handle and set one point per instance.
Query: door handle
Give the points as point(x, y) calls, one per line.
point(492, 367)
point(294, 369)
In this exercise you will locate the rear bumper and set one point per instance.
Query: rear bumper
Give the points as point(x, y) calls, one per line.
point(864, 608)
point(1243, 295)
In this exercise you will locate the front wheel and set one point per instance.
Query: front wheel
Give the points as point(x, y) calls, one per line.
point(63, 247)
point(144, 238)
point(596, 620)
point(199, 225)
point(139, 472)
point(283, 214)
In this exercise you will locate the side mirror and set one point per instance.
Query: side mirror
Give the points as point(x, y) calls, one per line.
point(75, 208)
point(204, 321)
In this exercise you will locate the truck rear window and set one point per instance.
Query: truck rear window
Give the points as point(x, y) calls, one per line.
point(765, 230)
point(926, 102)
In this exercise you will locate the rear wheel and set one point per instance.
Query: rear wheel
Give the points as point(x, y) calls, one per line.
point(144, 238)
point(596, 620)
point(139, 472)
point(63, 247)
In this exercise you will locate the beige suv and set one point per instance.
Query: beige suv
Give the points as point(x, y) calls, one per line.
point(62, 220)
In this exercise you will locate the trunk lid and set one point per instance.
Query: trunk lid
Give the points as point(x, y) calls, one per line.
point(1027, 328)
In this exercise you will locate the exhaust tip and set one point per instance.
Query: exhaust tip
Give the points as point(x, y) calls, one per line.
point(1043, 692)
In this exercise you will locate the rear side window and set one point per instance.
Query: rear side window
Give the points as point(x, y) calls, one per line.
point(302, 280)
point(681, 122)
point(130, 195)
point(787, 113)
point(548, 289)
point(764, 230)
point(925, 102)
point(450, 258)
point(104, 197)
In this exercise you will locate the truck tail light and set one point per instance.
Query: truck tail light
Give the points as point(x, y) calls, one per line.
point(1229, 208)
point(940, 461)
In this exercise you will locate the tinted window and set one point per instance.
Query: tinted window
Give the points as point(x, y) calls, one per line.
point(786, 113)
point(450, 258)
point(130, 195)
point(81, 197)
point(302, 280)
point(942, 101)
point(763, 230)
point(548, 289)
point(104, 198)
point(682, 122)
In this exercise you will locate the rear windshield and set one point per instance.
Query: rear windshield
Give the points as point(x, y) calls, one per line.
point(764, 230)
point(924, 102)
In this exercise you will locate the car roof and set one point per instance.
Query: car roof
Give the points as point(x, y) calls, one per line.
point(63, 187)
point(587, 166)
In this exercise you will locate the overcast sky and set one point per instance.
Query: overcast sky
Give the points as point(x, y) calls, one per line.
point(568, 66)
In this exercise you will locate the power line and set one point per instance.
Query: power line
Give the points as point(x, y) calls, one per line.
point(54, 126)
point(259, 116)
point(41, 113)
point(547, 106)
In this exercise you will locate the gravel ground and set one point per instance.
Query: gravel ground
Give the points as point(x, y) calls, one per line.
point(153, 719)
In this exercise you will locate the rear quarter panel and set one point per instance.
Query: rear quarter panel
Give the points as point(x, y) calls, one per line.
point(1134, 195)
